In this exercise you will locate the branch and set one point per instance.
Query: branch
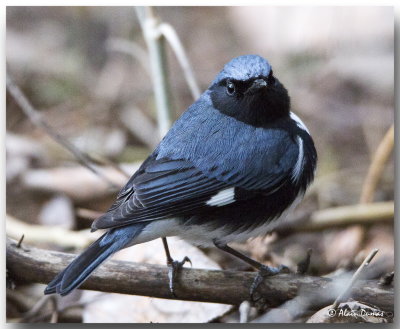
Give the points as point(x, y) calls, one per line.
point(227, 287)
point(48, 234)
point(364, 214)
point(378, 163)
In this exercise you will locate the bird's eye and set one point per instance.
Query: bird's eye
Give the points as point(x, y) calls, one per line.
point(230, 88)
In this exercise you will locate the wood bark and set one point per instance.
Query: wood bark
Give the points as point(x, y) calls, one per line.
point(30, 264)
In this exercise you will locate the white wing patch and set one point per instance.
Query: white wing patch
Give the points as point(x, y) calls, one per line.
point(222, 198)
point(296, 172)
point(300, 123)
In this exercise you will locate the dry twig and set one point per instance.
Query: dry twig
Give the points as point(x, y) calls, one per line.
point(45, 234)
point(355, 277)
point(156, 48)
point(377, 166)
point(370, 213)
point(170, 35)
point(20, 241)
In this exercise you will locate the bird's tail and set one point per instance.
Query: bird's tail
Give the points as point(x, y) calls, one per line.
point(82, 266)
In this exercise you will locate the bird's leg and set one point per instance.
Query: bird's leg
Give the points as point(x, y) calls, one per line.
point(263, 270)
point(173, 266)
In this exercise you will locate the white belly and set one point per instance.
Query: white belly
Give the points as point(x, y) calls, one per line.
point(203, 235)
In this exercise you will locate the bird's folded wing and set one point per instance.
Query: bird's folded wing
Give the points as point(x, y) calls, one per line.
point(166, 188)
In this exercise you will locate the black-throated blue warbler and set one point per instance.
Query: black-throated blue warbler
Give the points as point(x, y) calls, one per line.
point(229, 169)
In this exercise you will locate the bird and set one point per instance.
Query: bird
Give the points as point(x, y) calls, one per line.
point(229, 169)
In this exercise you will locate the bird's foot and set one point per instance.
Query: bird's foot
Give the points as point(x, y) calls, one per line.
point(174, 267)
point(263, 272)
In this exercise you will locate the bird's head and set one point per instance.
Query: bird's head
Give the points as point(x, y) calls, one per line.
point(247, 90)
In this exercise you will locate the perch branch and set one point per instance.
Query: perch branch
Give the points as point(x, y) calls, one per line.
point(227, 287)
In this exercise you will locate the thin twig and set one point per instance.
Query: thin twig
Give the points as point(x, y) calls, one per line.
point(355, 277)
point(20, 241)
point(100, 160)
point(171, 36)
point(156, 47)
point(36, 118)
point(44, 234)
point(377, 166)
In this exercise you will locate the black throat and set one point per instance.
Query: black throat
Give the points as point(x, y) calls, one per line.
point(259, 109)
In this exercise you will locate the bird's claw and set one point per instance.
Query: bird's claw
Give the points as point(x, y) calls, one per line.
point(263, 272)
point(174, 267)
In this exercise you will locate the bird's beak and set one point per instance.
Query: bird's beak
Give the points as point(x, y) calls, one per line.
point(256, 86)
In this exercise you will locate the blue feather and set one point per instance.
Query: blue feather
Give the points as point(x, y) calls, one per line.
point(82, 266)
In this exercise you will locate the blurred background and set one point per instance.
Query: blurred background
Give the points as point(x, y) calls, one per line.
point(87, 71)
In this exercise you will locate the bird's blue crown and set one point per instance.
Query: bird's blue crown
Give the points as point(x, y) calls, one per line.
point(244, 68)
